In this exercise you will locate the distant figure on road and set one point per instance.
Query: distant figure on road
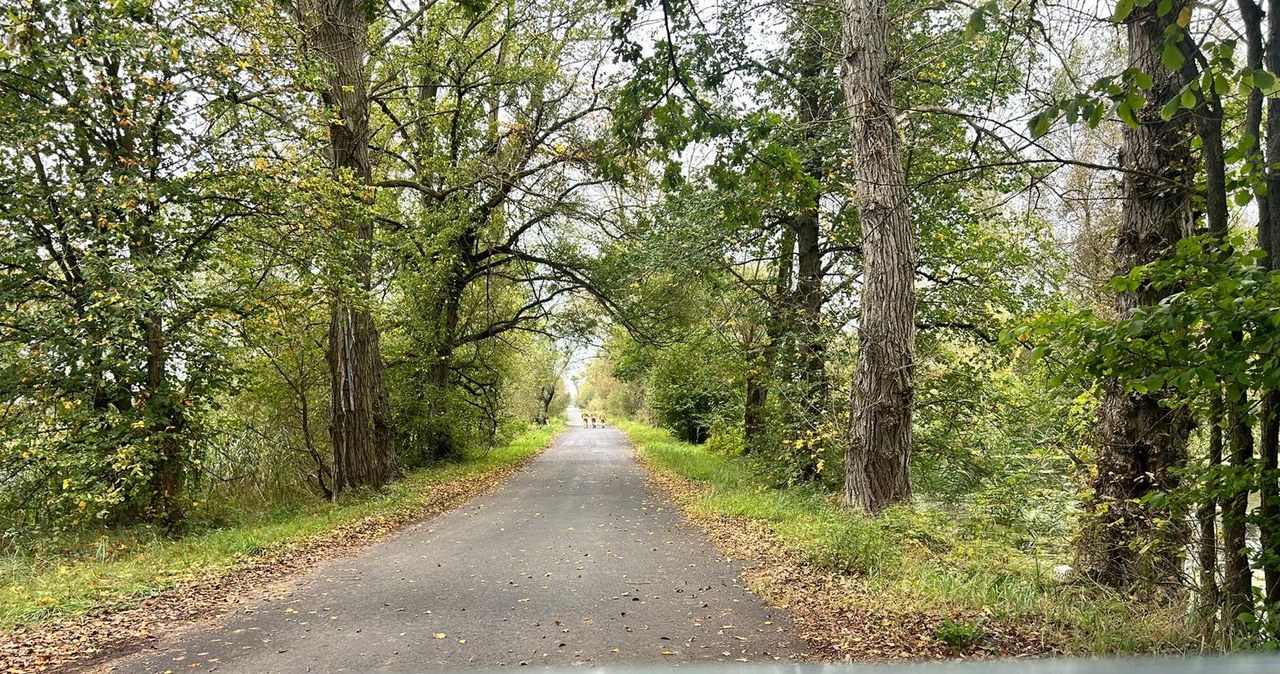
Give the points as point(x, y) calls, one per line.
point(602, 421)
point(593, 419)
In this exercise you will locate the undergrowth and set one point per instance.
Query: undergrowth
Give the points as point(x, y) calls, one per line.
point(89, 573)
point(922, 559)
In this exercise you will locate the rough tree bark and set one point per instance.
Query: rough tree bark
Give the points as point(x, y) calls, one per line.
point(1206, 517)
point(811, 348)
point(1126, 543)
point(878, 453)
point(1237, 577)
point(761, 361)
point(1269, 410)
point(361, 430)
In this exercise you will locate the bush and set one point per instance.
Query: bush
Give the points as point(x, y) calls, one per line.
point(725, 438)
point(691, 388)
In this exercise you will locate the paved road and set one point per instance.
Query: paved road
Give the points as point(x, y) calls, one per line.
point(574, 561)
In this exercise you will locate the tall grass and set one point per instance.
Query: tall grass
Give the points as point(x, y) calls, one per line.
point(920, 558)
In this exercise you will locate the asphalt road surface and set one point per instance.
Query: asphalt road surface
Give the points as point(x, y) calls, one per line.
point(575, 561)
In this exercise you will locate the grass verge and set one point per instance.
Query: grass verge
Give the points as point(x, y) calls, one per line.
point(909, 562)
point(117, 572)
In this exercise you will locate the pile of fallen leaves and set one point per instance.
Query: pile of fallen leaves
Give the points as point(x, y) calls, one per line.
point(835, 612)
point(84, 640)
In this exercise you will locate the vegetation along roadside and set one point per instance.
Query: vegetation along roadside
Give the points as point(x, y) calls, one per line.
point(908, 584)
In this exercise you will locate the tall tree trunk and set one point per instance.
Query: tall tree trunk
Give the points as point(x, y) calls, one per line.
point(167, 421)
point(1269, 413)
point(1206, 514)
point(761, 364)
point(1268, 236)
point(548, 394)
point(360, 425)
point(167, 476)
point(810, 347)
point(1269, 511)
point(1238, 576)
point(440, 441)
point(878, 454)
point(1128, 543)
point(1237, 583)
point(755, 398)
point(810, 351)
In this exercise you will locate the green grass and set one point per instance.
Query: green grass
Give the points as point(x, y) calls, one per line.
point(920, 558)
point(119, 568)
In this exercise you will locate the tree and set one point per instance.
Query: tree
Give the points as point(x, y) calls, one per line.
point(360, 424)
point(877, 458)
point(1142, 442)
point(490, 144)
point(110, 347)
point(1269, 241)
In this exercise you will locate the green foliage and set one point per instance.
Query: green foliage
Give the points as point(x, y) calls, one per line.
point(725, 437)
point(994, 441)
point(601, 391)
point(114, 339)
point(691, 388)
point(957, 634)
point(1218, 325)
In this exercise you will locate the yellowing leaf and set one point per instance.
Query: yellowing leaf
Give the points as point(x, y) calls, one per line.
point(439, 635)
point(1184, 17)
